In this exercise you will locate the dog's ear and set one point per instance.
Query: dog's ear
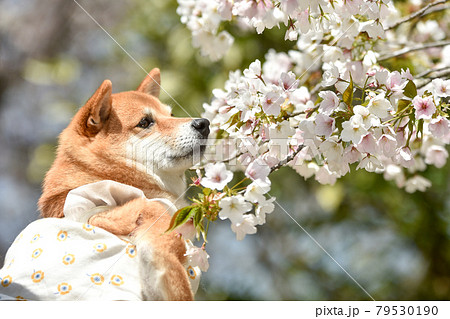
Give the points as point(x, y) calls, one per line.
point(151, 84)
point(97, 109)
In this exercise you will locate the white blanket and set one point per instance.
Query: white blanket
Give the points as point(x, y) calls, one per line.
point(68, 259)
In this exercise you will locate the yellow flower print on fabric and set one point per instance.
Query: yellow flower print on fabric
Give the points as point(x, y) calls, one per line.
point(37, 276)
point(62, 235)
point(64, 288)
point(6, 281)
point(100, 247)
point(131, 251)
point(97, 279)
point(20, 298)
point(88, 227)
point(191, 272)
point(68, 259)
point(36, 253)
point(117, 280)
point(35, 238)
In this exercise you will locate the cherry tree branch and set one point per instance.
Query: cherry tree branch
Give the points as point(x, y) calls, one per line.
point(287, 159)
point(412, 49)
point(428, 72)
point(444, 73)
point(442, 8)
point(419, 13)
point(316, 89)
point(273, 168)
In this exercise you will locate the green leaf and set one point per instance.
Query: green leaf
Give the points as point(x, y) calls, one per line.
point(366, 101)
point(221, 134)
point(338, 123)
point(345, 115)
point(411, 122)
point(348, 93)
point(234, 119)
point(197, 215)
point(321, 10)
point(181, 217)
point(420, 128)
point(341, 117)
point(402, 104)
point(240, 124)
point(410, 89)
point(206, 191)
point(319, 99)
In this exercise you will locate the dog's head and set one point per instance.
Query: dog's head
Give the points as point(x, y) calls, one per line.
point(135, 129)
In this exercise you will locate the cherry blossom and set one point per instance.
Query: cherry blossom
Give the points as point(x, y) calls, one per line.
point(380, 106)
point(388, 145)
point(439, 127)
point(370, 164)
point(259, 172)
point(216, 176)
point(352, 155)
point(404, 157)
point(325, 125)
point(436, 155)
point(234, 208)
point(265, 207)
point(441, 88)
point(245, 227)
point(424, 107)
point(329, 103)
point(332, 150)
point(353, 130)
point(417, 183)
point(368, 144)
point(368, 119)
point(272, 101)
point(255, 192)
point(197, 256)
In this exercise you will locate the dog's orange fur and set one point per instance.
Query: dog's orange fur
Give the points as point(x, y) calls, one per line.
point(148, 221)
point(91, 149)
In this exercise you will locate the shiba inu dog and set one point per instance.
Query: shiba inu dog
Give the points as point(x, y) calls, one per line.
point(131, 138)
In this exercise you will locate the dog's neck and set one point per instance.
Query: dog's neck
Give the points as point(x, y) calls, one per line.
point(174, 183)
point(59, 181)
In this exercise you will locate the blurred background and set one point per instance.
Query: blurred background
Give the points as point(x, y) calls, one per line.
point(53, 57)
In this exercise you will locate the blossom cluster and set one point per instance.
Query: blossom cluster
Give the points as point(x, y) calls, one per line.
point(371, 117)
point(246, 208)
point(328, 105)
point(344, 20)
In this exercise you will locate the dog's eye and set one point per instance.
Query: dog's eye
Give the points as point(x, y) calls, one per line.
point(145, 122)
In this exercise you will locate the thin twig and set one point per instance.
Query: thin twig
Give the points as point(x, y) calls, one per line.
point(425, 73)
point(316, 89)
point(416, 14)
point(443, 74)
point(275, 167)
point(412, 49)
point(443, 8)
point(287, 159)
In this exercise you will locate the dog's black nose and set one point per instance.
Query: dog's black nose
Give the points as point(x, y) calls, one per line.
point(202, 126)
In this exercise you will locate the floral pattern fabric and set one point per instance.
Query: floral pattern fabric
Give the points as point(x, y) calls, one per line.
point(68, 259)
